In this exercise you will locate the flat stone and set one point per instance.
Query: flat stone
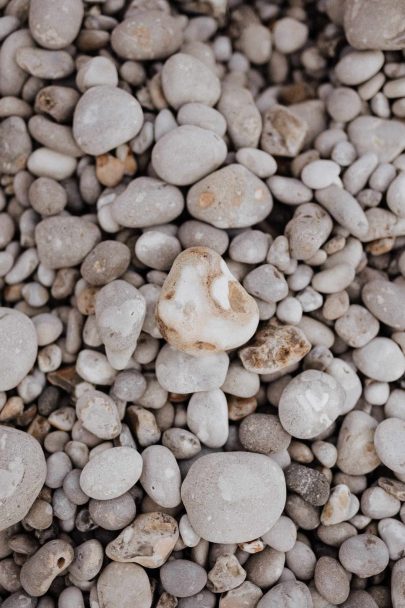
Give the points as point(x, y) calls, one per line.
point(375, 24)
point(233, 497)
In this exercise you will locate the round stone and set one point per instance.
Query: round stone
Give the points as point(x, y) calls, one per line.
point(310, 403)
point(389, 441)
point(53, 24)
point(381, 359)
point(18, 347)
point(106, 117)
point(182, 577)
point(22, 474)
point(233, 497)
point(124, 586)
point(365, 555)
point(111, 473)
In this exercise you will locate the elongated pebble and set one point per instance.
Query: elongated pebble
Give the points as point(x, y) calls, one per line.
point(111, 473)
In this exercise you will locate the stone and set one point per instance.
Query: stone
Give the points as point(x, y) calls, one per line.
point(226, 574)
point(389, 444)
point(243, 118)
point(356, 451)
point(274, 348)
point(342, 505)
point(113, 514)
point(186, 79)
point(283, 132)
point(364, 555)
point(331, 580)
point(51, 25)
point(308, 483)
point(148, 541)
point(386, 138)
point(288, 594)
point(382, 298)
point(360, 24)
point(161, 476)
point(111, 473)
point(174, 156)
point(310, 403)
point(207, 417)
point(232, 197)
point(40, 570)
point(22, 474)
point(106, 117)
point(263, 433)
point(123, 586)
point(98, 414)
point(381, 359)
point(199, 296)
point(182, 578)
point(18, 347)
point(233, 497)
point(245, 596)
point(105, 263)
point(65, 241)
point(15, 145)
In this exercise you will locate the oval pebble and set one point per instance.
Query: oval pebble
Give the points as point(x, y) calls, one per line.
point(320, 174)
point(383, 298)
point(186, 79)
point(365, 555)
point(174, 158)
point(161, 476)
point(233, 497)
point(381, 359)
point(51, 25)
point(98, 414)
point(111, 473)
point(356, 451)
point(389, 441)
point(212, 200)
point(18, 347)
point(133, 588)
point(182, 578)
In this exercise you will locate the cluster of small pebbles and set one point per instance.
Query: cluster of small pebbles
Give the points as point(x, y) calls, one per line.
point(202, 303)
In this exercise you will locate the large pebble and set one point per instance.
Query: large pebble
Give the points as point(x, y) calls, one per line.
point(98, 414)
point(233, 497)
point(22, 474)
point(357, 326)
point(147, 35)
point(397, 584)
point(161, 476)
point(274, 348)
point(310, 403)
point(356, 451)
point(53, 24)
point(365, 555)
point(263, 433)
point(288, 594)
point(381, 359)
point(386, 138)
point(106, 117)
point(147, 201)
point(12, 77)
point(15, 145)
point(179, 372)
point(308, 483)
point(308, 230)
point(344, 208)
point(65, 241)
point(383, 299)
point(111, 473)
point(40, 570)
point(202, 307)
point(243, 118)
point(183, 578)
point(374, 24)
point(389, 441)
point(42, 63)
point(186, 79)
point(120, 313)
point(174, 156)
point(112, 514)
point(232, 197)
point(124, 586)
point(358, 66)
point(148, 541)
point(18, 347)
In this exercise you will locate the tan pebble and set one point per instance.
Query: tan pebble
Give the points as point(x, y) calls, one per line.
point(109, 170)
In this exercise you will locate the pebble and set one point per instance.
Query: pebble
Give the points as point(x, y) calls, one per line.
point(23, 471)
point(381, 298)
point(183, 373)
point(310, 403)
point(274, 348)
point(341, 506)
point(365, 555)
point(15, 145)
point(147, 35)
point(243, 118)
point(184, 168)
point(98, 414)
point(186, 79)
point(360, 19)
point(331, 580)
point(148, 541)
point(111, 473)
point(40, 570)
point(207, 417)
point(397, 591)
point(232, 197)
point(120, 312)
point(286, 595)
point(147, 201)
point(320, 174)
point(308, 483)
point(161, 476)
point(51, 25)
point(65, 241)
point(133, 588)
point(388, 441)
point(245, 596)
point(105, 263)
point(113, 514)
point(376, 503)
point(41, 63)
point(308, 230)
point(373, 134)
point(201, 115)
point(192, 324)
point(344, 208)
point(356, 452)
point(226, 574)
point(283, 132)
point(233, 497)
point(18, 347)
point(381, 359)
point(263, 433)
point(257, 161)
point(105, 117)
point(182, 578)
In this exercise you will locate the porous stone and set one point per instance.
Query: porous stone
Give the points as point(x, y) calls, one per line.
point(308, 483)
point(202, 308)
point(356, 451)
point(233, 497)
